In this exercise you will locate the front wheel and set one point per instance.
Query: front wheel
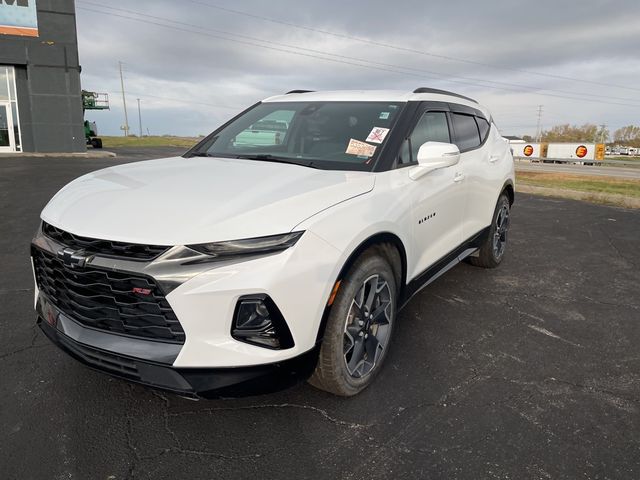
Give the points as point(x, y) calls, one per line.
point(358, 332)
point(492, 250)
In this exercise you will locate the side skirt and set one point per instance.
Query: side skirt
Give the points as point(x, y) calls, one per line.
point(446, 263)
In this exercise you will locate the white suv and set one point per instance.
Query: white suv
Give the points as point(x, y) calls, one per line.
point(243, 267)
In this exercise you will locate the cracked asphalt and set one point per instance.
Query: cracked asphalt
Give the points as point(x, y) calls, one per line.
point(531, 370)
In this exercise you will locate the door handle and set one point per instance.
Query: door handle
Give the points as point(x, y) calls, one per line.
point(494, 159)
point(458, 177)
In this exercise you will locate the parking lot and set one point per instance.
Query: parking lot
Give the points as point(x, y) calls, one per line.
point(531, 370)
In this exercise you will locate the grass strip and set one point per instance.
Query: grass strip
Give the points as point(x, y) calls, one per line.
point(581, 183)
point(163, 141)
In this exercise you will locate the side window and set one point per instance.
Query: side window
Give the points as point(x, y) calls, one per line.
point(432, 127)
point(467, 134)
point(484, 128)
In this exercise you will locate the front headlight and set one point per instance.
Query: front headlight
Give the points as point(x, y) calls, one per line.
point(248, 246)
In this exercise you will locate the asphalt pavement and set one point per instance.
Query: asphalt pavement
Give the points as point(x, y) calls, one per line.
point(531, 370)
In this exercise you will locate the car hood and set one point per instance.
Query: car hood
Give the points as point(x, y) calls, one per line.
point(178, 201)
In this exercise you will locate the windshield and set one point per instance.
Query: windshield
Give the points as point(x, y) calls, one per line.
point(329, 135)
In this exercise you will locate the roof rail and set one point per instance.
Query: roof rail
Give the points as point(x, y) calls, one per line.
point(299, 91)
point(442, 92)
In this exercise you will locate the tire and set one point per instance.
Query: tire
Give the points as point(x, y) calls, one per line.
point(493, 249)
point(344, 365)
point(96, 142)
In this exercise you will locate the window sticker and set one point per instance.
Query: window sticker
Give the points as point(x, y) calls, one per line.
point(377, 135)
point(361, 149)
point(384, 115)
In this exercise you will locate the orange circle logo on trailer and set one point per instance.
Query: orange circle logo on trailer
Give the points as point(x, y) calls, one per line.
point(528, 151)
point(581, 151)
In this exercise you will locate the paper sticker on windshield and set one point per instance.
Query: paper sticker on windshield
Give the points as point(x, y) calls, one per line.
point(384, 115)
point(356, 147)
point(377, 135)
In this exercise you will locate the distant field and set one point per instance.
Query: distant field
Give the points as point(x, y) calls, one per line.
point(164, 141)
point(583, 183)
point(605, 190)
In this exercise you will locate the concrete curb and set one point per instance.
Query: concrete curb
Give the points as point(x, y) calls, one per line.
point(97, 154)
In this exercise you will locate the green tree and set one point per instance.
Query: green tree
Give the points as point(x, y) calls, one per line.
point(629, 136)
point(588, 133)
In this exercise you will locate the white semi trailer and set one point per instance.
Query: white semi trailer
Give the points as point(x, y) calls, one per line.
point(584, 153)
point(527, 150)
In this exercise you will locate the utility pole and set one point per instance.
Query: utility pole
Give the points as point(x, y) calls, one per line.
point(539, 126)
point(602, 133)
point(139, 118)
point(124, 103)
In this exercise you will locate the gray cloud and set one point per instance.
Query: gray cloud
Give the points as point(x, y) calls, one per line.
point(191, 77)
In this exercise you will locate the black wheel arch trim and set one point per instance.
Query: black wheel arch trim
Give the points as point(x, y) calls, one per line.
point(407, 289)
point(375, 239)
point(510, 190)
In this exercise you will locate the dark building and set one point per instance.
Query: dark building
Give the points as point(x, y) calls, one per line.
point(40, 100)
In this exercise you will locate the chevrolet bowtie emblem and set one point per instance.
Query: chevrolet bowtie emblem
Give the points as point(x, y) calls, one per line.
point(72, 258)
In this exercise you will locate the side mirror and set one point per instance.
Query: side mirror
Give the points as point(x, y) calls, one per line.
point(434, 155)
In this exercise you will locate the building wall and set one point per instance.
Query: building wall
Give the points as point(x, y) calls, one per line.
point(48, 80)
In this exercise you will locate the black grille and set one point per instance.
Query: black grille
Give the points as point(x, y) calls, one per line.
point(93, 246)
point(106, 300)
point(110, 362)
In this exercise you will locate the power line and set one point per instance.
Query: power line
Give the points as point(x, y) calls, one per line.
point(429, 73)
point(339, 58)
point(406, 49)
point(182, 100)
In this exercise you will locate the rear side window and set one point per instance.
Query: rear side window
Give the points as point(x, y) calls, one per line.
point(467, 134)
point(484, 128)
point(432, 127)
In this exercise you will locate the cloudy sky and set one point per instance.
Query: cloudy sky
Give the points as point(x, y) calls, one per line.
point(196, 63)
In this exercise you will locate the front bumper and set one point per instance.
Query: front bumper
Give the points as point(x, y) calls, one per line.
point(150, 363)
point(203, 297)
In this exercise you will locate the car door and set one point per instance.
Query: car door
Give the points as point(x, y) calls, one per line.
point(437, 197)
point(479, 165)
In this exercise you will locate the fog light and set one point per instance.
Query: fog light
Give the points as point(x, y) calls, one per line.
point(252, 314)
point(258, 321)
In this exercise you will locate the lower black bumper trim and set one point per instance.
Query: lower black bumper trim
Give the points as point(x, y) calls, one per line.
point(191, 382)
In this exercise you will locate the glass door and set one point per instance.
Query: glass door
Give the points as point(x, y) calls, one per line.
point(7, 140)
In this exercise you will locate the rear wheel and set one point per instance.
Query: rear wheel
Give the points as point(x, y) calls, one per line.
point(359, 328)
point(492, 250)
point(96, 142)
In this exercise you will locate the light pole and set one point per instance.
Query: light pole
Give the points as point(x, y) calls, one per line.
point(139, 118)
point(124, 103)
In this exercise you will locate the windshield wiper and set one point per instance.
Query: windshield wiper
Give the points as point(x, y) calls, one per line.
point(200, 154)
point(272, 158)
